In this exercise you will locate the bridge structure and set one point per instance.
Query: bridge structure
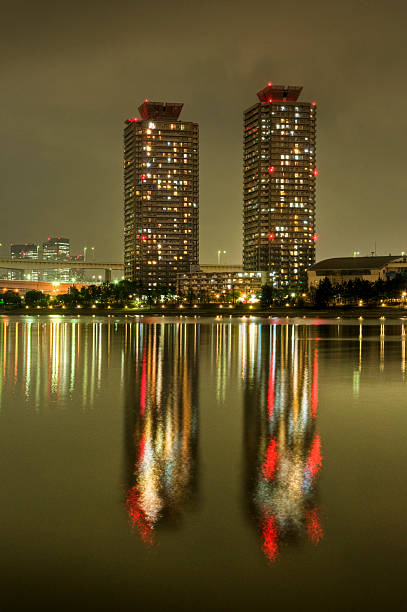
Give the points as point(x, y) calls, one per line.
point(49, 264)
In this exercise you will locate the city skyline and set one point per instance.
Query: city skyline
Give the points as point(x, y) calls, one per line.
point(66, 96)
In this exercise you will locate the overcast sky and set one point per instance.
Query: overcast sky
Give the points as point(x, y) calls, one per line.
point(72, 72)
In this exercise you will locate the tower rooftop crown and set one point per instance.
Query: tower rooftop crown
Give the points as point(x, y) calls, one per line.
point(160, 110)
point(279, 93)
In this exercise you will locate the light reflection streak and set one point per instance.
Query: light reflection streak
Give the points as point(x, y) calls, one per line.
point(46, 362)
point(282, 445)
point(161, 428)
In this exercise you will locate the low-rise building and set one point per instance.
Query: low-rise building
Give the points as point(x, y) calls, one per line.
point(343, 269)
point(211, 283)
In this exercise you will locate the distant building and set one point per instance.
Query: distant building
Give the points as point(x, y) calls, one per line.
point(56, 249)
point(22, 286)
point(279, 185)
point(342, 269)
point(77, 275)
point(161, 194)
point(213, 282)
point(24, 251)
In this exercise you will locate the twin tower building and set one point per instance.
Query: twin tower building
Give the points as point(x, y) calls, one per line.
point(161, 191)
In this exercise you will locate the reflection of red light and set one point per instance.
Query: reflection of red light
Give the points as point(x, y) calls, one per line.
point(270, 462)
point(138, 517)
point(271, 169)
point(270, 538)
point(315, 458)
point(141, 449)
point(314, 396)
point(271, 236)
point(314, 527)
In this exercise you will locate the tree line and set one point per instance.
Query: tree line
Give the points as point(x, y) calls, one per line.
point(128, 293)
point(347, 293)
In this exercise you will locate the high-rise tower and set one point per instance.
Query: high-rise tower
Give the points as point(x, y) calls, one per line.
point(279, 186)
point(161, 195)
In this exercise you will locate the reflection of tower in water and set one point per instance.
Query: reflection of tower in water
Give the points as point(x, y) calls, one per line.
point(282, 446)
point(161, 428)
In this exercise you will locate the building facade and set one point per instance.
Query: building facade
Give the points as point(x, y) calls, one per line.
point(26, 251)
point(213, 283)
point(56, 249)
point(342, 269)
point(161, 195)
point(279, 186)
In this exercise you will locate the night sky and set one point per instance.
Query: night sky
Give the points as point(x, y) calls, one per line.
point(72, 72)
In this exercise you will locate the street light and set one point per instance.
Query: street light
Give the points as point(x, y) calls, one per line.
point(93, 253)
point(220, 252)
point(84, 253)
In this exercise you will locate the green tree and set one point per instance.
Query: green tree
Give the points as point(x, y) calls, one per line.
point(35, 298)
point(11, 298)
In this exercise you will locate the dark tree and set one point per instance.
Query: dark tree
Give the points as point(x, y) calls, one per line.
point(267, 296)
point(36, 298)
point(11, 298)
point(324, 293)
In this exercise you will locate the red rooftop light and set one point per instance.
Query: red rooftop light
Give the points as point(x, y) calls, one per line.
point(269, 84)
point(270, 100)
point(146, 100)
point(315, 173)
point(315, 237)
point(143, 238)
point(272, 169)
point(271, 236)
point(314, 104)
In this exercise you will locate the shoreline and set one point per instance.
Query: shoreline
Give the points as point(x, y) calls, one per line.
point(389, 312)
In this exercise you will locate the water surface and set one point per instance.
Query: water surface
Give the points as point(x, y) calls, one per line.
point(202, 464)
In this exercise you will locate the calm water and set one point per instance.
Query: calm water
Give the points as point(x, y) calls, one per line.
point(191, 464)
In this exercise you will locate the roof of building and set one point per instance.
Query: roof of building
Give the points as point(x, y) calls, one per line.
point(279, 93)
point(354, 263)
point(160, 110)
point(221, 268)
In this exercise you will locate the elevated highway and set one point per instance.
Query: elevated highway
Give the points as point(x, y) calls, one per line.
point(49, 264)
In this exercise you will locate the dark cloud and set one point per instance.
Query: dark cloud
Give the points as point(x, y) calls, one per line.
point(73, 71)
